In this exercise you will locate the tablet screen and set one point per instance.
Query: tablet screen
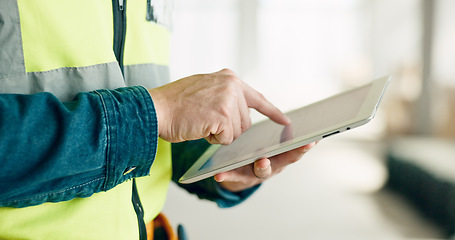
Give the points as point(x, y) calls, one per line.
point(256, 141)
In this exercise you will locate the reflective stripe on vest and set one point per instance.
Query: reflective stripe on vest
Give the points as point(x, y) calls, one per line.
point(65, 47)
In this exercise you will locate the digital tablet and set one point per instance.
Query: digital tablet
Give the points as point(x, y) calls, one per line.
point(330, 116)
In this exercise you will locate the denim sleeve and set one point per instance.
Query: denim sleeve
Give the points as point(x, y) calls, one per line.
point(53, 151)
point(183, 156)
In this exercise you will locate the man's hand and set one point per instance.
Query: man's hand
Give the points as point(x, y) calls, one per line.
point(211, 106)
point(250, 175)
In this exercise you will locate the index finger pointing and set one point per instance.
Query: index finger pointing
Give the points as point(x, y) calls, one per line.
point(257, 101)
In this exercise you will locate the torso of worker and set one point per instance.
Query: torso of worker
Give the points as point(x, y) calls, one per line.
point(66, 47)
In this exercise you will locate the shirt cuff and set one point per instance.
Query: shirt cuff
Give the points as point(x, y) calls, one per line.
point(231, 199)
point(132, 130)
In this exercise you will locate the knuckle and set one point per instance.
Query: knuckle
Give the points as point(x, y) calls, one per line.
point(262, 100)
point(237, 132)
point(225, 111)
point(228, 91)
point(231, 91)
point(236, 135)
point(225, 137)
point(262, 97)
point(227, 140)
point(227, 71)
point(229, 76)
point(246, 125)
point(233, 81)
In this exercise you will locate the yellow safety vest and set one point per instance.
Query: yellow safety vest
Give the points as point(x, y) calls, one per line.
point(65, 47)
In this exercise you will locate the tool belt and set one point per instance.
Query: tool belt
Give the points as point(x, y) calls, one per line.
point(161, 229)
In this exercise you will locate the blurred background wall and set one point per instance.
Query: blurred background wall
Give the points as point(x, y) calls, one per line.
point(297, 52)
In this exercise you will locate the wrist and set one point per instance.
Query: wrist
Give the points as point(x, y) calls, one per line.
point(157, 102)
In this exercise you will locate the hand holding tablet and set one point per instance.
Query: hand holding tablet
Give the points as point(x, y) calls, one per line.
point(311, 123)
point(253, 174)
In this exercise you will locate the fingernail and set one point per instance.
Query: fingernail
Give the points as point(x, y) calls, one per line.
point(264, 168)
point(288, 119)
point(217, 179)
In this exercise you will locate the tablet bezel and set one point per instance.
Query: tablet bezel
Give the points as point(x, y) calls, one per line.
point(365, 114)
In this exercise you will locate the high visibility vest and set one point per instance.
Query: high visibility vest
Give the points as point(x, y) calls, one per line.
point(65, 47)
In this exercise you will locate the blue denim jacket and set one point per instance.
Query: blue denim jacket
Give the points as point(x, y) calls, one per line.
point(52, 151)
